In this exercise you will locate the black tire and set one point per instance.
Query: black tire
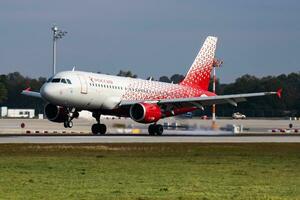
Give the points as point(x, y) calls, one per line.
point(159, 129)
point(95, 129)
point(70, 124)
point(102, 129)
point(151, 129)
point(65, 124)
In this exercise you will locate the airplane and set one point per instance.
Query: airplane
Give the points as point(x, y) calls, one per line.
point(145, 101)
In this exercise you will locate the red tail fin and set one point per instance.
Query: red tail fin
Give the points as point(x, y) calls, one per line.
point(199, 73)
point(279, 92)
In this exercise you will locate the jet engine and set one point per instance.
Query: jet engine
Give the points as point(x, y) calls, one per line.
point(56, 113)
point(145, 112)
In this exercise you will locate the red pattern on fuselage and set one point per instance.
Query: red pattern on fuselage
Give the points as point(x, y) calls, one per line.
point(153, 90)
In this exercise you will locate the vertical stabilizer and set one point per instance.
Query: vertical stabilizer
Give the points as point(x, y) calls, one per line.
point(199, 73)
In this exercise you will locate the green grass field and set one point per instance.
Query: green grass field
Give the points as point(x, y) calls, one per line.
point(150, 171)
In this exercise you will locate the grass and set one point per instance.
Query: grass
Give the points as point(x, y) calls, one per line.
point(150, 171)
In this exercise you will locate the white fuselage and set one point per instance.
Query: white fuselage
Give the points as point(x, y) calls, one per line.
point(86, 91)
point(89, 91)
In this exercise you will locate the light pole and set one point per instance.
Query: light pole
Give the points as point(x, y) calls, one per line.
point(216, 63)
point(57, 34)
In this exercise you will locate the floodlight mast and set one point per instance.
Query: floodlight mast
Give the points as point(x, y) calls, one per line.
point(57, 34)
point(216, 63)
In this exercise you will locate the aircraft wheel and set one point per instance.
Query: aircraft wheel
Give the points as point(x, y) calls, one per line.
point(159, 129)
point(151, 129)
point(95, 129)
point(102, 129)
point(65, 124)
point(98, 128)
point(68, 124)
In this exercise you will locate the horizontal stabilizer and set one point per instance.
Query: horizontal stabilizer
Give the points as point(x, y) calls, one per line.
point(27, 92)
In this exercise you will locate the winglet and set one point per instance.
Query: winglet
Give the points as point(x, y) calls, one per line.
point(279, 92)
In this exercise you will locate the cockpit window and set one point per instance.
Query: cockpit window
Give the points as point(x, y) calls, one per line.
point(68, 80)
point(63, 80)
point(49, 80)
point(55, 80)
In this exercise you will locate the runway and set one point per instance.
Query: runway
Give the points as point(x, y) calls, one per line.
point(11, 126)
point(147, 139)
point(12, 133)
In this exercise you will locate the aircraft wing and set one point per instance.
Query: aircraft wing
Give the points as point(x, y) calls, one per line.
point(199, 102)
point(27, 92)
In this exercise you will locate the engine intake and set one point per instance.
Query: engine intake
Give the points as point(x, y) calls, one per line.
point(145, 112)
point(56, 113)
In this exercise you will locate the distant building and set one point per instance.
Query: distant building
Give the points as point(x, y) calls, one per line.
point(16, 113)
point(3, 111)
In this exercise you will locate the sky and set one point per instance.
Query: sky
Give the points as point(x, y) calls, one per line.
point(150, 38)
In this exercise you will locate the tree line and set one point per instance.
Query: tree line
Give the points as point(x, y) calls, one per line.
point(12, 84)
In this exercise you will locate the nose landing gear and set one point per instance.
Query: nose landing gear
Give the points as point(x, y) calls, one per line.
point(98, 128)
point(68, 124)
point(72, 113)
point(155, 129)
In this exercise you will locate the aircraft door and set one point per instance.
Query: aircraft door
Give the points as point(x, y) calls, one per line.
point(83, 84)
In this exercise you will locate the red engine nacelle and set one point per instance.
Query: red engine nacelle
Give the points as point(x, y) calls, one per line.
point(56, 113)
point(145, 112)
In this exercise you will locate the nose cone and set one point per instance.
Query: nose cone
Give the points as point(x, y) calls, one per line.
point(49, 92)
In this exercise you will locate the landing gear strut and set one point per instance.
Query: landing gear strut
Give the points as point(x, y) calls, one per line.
point(72, 113)
point(98, 128)
point(155, 129)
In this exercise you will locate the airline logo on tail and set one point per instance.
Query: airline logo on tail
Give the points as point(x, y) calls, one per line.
point(199, 74)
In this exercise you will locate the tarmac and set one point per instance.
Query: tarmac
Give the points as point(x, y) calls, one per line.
point(13, 126)
point(44, 131)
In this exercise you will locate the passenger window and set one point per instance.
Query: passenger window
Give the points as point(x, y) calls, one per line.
point(69, 82)
point(55, 80)
point(63, 80)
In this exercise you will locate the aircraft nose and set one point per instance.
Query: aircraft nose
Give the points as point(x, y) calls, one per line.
point(48, 92)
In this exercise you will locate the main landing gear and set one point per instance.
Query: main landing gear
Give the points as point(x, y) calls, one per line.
point(98, 128)
point(72, 113)
point(155, 129)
